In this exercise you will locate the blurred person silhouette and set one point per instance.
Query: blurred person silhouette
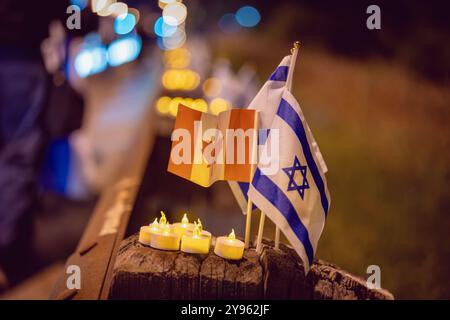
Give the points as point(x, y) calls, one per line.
point(24, 91)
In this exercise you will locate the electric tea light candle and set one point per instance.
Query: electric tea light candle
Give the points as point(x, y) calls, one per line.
point(165, 239)
point(195, 243)
point(229, 247)
point(184, 227)
point(146, 232)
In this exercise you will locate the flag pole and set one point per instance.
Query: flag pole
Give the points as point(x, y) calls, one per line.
point(294, 52)
point(277, 237)
point(262, 218)
point(254, 157)
point(248, 221)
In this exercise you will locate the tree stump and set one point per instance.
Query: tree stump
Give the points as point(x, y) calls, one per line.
point(141, 272)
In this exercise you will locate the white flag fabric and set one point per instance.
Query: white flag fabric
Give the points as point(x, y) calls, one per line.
point(296, 197)
point(266, 103)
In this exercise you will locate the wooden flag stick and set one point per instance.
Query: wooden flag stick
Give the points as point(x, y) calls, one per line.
point(262, 218)
point(294, 52)
point(277, 237)
point(248, 224)
point(254, 157)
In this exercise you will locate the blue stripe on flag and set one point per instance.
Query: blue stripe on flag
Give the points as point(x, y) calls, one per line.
point(280, 74)
point(244, 188)
point(278, 199)
point(291, 117)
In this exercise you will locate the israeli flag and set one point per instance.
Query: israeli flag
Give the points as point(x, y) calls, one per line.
point(295, 196)
point(266, 103)
point(268, 96)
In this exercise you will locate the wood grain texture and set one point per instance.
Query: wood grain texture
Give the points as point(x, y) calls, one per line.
point(141, 272)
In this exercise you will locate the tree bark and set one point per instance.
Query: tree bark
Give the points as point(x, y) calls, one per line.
point(141, 272)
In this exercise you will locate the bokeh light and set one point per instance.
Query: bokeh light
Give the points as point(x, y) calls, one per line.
point(162, 29)
point(118, 9)
point(91, 60)
point(136, 14)
point(124, 50)
point(173, 106)
point(168, 106)
point(124, 24)
point(212, 87)
point(200, 105)
point(163, 104)
point(99, 5)
point(180, 79)
point(102, 7)
point(174, 13)
point(228, 23)
point(218, 105)
point(100, 59)
point(178, 58)
point(163, 3)
point(82, 4)
point(248, 16)
point(83, 63)
point(174, 41)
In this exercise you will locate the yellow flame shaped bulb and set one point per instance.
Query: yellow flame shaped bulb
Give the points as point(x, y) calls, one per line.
point(162, 220)
point(155, 225)
point(196, 232)
point(231, 236)
point(183, 227)
point(203, 232)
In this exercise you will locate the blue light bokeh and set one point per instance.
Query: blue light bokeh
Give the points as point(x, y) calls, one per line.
point(82, 4)
point(124, 50)
point(124, 24)
point(248, 16)
point(162, 29)
point(91, 60)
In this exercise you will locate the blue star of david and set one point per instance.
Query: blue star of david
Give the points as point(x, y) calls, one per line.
point(292, 185)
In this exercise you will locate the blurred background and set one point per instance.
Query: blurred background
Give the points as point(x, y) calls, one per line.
point(378, 102)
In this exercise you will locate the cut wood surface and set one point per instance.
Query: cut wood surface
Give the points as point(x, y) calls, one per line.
point(141, 272)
